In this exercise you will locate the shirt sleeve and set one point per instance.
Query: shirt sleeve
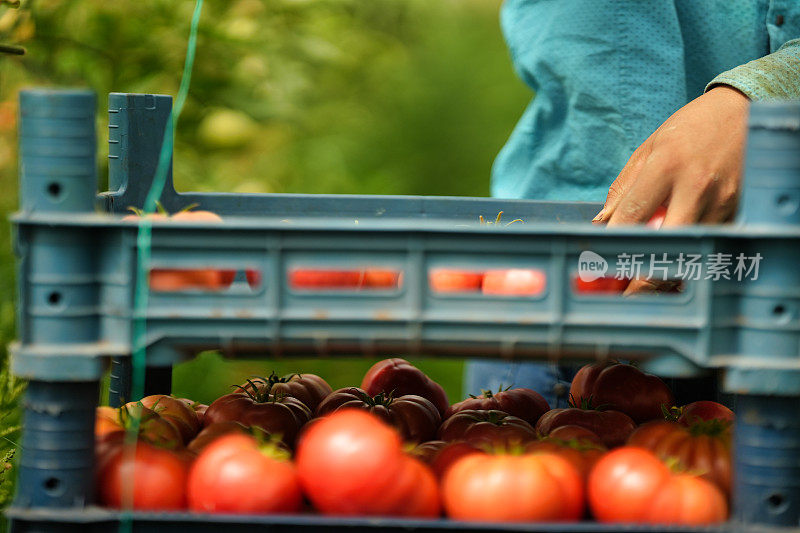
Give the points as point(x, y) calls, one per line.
point(773, 77)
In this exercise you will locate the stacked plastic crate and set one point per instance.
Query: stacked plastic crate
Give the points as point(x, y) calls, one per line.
point(77, 273)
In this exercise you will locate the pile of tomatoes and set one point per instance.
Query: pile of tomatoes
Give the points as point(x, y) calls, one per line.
point(395, 446)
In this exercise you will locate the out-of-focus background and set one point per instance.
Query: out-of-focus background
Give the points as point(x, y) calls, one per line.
point(312, 96)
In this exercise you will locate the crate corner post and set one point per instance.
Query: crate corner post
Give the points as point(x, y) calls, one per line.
point(58, 349)
point(765, 371)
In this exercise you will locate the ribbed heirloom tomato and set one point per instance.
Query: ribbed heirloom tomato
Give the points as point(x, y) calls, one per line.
point(175, 411)
point(487, 428)
point(153, 428)
point(398, 377)
point(612, 427)
point(576, 433)
point(413, 416)
point(427, 451)
point(352, 463)
point(308, 388)
point(235, 474)
point(623, 388)
point(198, 408)
point(439, 455)
point(704, 410)
point(106, 420)
point(526, 404)
point(513, 488)
point(282, 415)
point(703, 447)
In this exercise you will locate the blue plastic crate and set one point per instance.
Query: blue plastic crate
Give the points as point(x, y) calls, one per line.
point(77, 273)
point(96, 520)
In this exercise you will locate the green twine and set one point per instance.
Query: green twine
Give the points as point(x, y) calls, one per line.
point(143, 250)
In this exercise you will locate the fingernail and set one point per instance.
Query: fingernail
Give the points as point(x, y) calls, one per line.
point(600, 215)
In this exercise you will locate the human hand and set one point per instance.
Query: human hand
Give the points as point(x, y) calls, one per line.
point(691, 164)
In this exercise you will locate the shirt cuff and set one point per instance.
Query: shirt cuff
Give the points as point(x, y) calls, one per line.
point(773, 77)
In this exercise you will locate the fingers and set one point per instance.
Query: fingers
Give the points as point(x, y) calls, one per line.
point(686, 207)
point(649, 190)
point(622, 183)
point(722, 208)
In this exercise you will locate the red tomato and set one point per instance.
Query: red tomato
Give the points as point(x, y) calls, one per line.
point(149, 479)
point(308, 388)
point(150, 216)
point(172, 280)
point(448, 280)
point(191, 215)
point(379, 278)
point(413, 416)
point(623, 484)
point(526, 404)
point(414, 493)
point(316, 279)
point(604, 285)
point(347, 461)
point(487, 428)
point(281, 416)
point(612, 427)
point(632, 485)
point(689, 500)
point(513, 488)
point(420, 491)
point(514, 282)
point(657, 220)
point(400, 378)
point(704, 411)
point(235, 475)
point(703, 448)
point(175, 411)
point(253, 278)
point(622, 388)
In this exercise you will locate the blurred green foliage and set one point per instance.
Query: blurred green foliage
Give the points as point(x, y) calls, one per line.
point(315, 96)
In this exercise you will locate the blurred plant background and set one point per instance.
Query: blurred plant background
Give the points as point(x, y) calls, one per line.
point(313, 96)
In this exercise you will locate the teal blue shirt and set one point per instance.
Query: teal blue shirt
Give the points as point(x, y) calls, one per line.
point(607, 73)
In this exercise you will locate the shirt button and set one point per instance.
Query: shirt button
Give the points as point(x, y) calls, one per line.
point(779, 20)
